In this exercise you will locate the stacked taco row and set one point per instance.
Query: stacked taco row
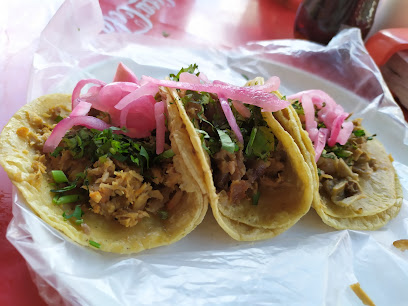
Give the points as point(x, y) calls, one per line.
point(133, 164)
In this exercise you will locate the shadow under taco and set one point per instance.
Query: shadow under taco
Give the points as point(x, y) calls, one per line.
point(356, 186)
point(115, 189)
point(257, 180)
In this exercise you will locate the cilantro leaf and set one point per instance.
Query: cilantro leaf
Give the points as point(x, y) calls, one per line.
point(190, 69)
point(226, 142)
point(359, 133)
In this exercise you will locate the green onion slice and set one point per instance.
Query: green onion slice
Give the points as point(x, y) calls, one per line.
point(59, 176)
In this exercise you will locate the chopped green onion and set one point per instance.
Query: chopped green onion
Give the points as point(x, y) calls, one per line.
point(95, 244)
point(245, 76)
point(65, 199)
point(66, 188)
point(58, 119)
point(59, 176)
point(255, 198)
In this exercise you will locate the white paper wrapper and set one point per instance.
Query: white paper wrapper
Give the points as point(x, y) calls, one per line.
point(310, 264)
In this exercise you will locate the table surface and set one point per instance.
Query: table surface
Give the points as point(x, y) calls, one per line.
point(237, 22)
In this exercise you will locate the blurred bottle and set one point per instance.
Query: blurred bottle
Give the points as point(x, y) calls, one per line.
point(320, 20)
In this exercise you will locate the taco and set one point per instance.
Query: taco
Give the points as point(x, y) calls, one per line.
point(257, 180)
point(116, 189)
point(356, 184)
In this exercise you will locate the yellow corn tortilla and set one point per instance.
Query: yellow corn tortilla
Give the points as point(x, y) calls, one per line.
point(20, 155)
point(382, 192)
point(278, 208)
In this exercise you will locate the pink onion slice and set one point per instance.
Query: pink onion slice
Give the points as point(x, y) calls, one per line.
point(82, 109)
point(160, 126)
point(268, 101)
point(345, 132)
point(320, 142)
point(203, 78)
point(124, 74)
point(146, 89)
point(310, 123)
point(335, 131)
point(318, 97)
point(81, 84)
point(138, 117)
point(329, 112)
point(241, 108)
point(230, 118)
point(66, 124)
point(272, 84)
point(189, 78)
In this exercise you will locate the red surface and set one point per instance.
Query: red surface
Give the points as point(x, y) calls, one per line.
point(229, 23)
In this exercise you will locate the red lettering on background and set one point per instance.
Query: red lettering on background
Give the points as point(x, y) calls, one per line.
point(134, 16)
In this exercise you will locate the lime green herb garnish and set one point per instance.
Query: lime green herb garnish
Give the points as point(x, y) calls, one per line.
point(59, 176)
point(95, 244)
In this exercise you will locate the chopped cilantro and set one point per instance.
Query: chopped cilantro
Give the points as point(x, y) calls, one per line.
point(359, 133)
point(165, 34)
point(298, 108)
point(371, 137)
point(77, 214)
point(100, 145)
point(58, 119)
point(261, 142)
point(190, 69)
point(226, 142)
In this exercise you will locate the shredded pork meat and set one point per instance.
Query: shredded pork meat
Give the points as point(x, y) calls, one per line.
point(120, 192)
point(340, 180)
point(241, 177)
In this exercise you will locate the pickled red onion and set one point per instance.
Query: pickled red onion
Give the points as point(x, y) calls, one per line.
point(345, 132)
point(146, 89)
point(66, 124)
point(160, 126)
point(124, 74)
point(330, 113)
point(268, 101)
point(138, 116)
point(81, 84)
point(320, 142)
point(310, 123)
point(272, 84)
point(189, 78)
point(230, 117)
point(335, 129)
point(241, 108)
point(82, 109)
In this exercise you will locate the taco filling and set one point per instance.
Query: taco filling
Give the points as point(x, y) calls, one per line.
point(358, 186)
point(114, 175)
point(251, 164)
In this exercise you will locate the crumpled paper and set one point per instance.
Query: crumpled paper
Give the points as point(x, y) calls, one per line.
point(310, 264)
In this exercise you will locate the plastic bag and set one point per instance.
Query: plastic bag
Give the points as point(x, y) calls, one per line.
point(310, 264)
